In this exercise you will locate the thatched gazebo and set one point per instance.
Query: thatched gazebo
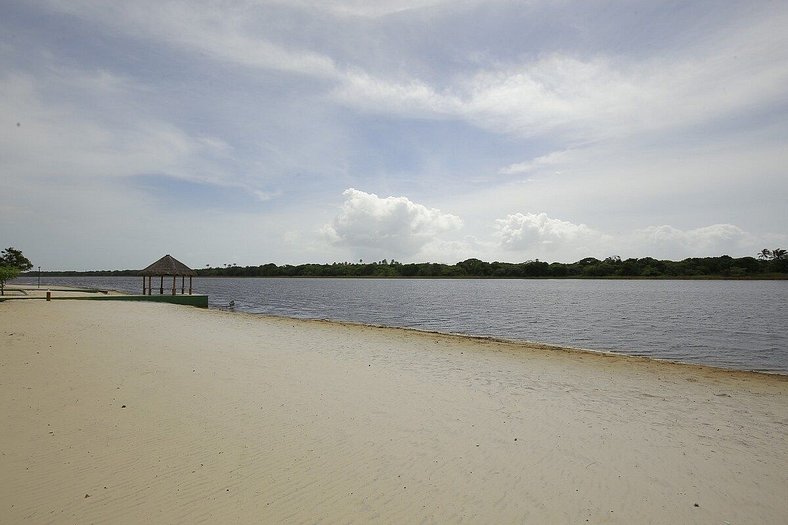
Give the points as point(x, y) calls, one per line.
point(165, 267)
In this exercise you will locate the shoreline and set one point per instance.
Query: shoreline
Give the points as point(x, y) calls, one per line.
point(525, 343)
point(127, 412)
point(711, 277)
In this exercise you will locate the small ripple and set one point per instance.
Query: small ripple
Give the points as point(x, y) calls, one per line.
point(716, 323)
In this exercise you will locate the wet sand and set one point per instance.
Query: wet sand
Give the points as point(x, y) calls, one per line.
point(119, 412)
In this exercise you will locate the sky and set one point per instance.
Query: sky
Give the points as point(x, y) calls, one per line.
point(294, 131)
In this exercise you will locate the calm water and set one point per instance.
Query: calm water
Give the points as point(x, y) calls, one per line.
point(732, 324)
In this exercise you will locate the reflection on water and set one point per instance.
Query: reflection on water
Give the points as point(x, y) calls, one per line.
point(733, 324)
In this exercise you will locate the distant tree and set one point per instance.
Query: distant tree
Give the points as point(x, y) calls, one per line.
point(765, 254)
point(474, 267)
point(14, 258)
point(587, 261)
point(779, 254)
point(6, 274)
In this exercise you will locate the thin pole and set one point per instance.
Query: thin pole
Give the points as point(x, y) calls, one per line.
point(39, 277)
point(173, 285)
point(190, 285)
point(161, 285)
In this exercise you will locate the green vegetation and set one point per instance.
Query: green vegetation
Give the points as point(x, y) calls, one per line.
point(14, 258)
point(612, 267)
point(770, 264)
point(6, 274)
point(12, 262)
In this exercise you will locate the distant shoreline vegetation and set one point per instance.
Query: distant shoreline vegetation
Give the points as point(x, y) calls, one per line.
point(724, 267)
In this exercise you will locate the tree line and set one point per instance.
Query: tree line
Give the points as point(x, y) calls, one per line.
point(770, 264)
point(647, 267)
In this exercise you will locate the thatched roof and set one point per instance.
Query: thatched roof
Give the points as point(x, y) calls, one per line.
point(168, 265)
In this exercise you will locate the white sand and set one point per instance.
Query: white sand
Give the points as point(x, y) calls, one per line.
point(233, 418)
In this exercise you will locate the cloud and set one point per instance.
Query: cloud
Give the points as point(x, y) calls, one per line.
point(579, 95)
point(374, 9)
point(551, 160)
point(538, 235)
point(212, 30)
point(393, 225)
point(451, 251)
point(57, 137)
point(537, 232)
point(717, 239)
point(406, 98)
point(569, 97)
point(62, 138)
point(594, 95)
point(272, 104)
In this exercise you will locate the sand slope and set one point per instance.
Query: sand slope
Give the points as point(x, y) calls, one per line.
point(233, 418)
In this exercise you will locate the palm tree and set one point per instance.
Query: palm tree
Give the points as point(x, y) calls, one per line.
point(778, 253)
point(765, 254)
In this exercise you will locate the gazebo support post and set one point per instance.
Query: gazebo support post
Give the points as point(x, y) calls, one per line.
point(143, 285)
point(173, 285)
point(190, 285)
point(161, 285)
point(183, 281)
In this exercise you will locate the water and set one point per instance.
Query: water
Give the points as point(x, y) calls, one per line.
point(729, 324)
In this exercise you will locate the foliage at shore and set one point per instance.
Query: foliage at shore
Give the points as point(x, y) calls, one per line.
point(12, 262)
point(769, 265)
point(11, 257)
point(6, 274)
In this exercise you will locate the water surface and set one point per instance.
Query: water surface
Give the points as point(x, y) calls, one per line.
point(731, 324)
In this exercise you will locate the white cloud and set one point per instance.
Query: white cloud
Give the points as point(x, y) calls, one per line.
point(573, 96)
point(391, 225)
point(264, 196)
point(540, 236)
point(55, 137)
point(717, 239)
point(210, 29)
point(578, 99)
point(554, 159)
point(411, 97)
point(553, 94)
point(451, 251)
point(538, 233)
point(258, 95)
point(599, 96)
point(109, 138)
point(376, 8)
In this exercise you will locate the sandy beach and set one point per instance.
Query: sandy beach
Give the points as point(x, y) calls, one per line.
point(133, 412)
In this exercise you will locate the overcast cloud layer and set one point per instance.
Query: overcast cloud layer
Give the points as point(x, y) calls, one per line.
point(418, 130)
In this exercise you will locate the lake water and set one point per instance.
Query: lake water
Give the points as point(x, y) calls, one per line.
point(730, 324)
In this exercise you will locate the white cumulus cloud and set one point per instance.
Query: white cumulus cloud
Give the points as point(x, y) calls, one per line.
point(394, 225)
point(536, 235)
point(717, 239)
point(539, 233)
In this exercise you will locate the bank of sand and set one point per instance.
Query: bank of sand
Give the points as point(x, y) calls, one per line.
point(154, 413)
